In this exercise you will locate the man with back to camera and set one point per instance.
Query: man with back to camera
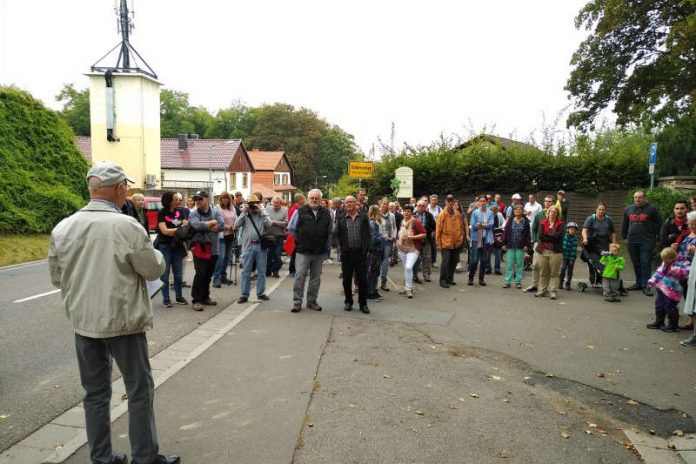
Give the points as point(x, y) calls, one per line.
point(100, 259)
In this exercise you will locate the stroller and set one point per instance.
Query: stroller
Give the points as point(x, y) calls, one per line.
point(596, 268)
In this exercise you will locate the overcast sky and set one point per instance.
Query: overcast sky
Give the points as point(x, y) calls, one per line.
point(429, 67)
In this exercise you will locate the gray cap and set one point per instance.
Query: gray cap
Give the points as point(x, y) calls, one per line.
point(109, 173)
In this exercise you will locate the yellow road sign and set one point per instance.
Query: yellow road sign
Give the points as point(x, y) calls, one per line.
point(361, 169)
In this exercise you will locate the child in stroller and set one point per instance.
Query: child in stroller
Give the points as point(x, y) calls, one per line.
point(596, 268)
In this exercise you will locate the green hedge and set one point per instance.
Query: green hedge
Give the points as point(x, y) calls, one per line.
point(42, 173)
point(608, 161)
point(662, 198)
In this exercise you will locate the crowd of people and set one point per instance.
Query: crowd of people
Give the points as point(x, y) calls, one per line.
point(370, 238)
point(101, 263)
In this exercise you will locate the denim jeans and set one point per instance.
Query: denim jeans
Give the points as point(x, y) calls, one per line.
point(225, 247)
point(175, 262)
point(385, 262)
point(275, 253)
point(641, 255)
point(254, 255)
point(495, 253)
point(478, 257)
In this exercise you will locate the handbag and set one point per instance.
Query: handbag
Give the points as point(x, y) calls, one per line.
point(266, 242)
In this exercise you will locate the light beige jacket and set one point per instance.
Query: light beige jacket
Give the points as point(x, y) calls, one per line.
point(100, 259)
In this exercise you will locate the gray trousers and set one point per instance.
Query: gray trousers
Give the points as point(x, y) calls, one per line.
point(303, 264)
point(611, 286)
point(95, 359)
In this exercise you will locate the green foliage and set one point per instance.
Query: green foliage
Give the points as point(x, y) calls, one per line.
point(236, 122)
point(346, 186)
point(336, 149)
point(42, 173)
point(663, 199)
point(610, 160)
point(640, 56)
point(676, 148)
point(75, 108)
point(178, 117)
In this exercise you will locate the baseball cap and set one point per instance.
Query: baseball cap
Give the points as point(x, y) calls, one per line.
point(516, 196)
point(200, 194)
point(450, 198)
point(109, 173)
point(561, 192)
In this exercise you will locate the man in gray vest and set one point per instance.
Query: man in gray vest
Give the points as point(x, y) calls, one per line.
point(100, 259)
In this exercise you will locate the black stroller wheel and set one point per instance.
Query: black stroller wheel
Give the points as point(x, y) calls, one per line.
point(582, 286)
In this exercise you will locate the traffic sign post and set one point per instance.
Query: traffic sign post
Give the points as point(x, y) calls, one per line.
point(651, 163)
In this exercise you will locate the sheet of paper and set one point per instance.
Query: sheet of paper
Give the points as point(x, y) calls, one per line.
point(153, 287)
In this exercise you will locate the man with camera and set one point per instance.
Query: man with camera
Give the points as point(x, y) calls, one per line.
point(252, 224)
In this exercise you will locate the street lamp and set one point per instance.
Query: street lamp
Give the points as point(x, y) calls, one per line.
point(316, 180)
point(210, 164)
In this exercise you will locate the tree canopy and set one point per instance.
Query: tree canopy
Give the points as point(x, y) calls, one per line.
point(640, 56)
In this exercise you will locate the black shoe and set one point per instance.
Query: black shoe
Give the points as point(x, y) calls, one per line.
point(417, 280)
point(186, 285)
point(296, 308)
point(482, 283)
point(340, 275)
point(263, 297)
point(635, 286)
point(242, 299)
point(654, 325)
point(276, 275)
point(452, 282)
point(167, 303)
point(648, 291)
point(488, 271)
point(444, 284)
point(348, 307)
point(173, 459)
point(217, 285)
point(567, 286)
point(427, 279)
point(670, 328)
point(498, 273)
point(470, 283)
point(119, 458)
point(364, 309)
point(209, 302)
point(182, 301)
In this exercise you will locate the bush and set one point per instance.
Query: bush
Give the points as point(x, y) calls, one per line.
point(42, 173)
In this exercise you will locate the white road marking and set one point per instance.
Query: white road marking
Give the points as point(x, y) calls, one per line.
point(36, 296)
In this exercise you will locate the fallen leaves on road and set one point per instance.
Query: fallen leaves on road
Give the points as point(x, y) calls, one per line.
point(4, 416)
point(600, 374)
point(679, 433)
point(632, 402)
point(452, 406)
point(387, 376)
point(565, 435)
point(549, 376)
point(420, 413)
point(494, 377)
point(590, 347)
point(473, 395)
point(502, 454)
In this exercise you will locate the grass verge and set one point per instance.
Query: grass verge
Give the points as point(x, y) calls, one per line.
point(18, 249)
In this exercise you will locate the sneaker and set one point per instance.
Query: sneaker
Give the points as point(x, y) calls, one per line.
point(530, 289)
point(263, 297)
point(182, 301)
point(276, 275)
point(654, 325)
point(217, 285)
point(482, 283)
point(470, 282)
point(409, 294)
point(554, 295)
point(375, 297)
point(670, 328)
point(384, 287)
point(567, 286)
point(417, 280)
point(313, 305)
point(648, 291)
point(209, 302)
point(242, 300)
point(691, 341)
point(167, 303)
point(498, 273)
point(186, 284)
point(506, 285)
point(540, 294)
point(296, 307)
point(518, 285)
point(197, 307)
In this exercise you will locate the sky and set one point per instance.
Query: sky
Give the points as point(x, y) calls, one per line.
point(430, 68)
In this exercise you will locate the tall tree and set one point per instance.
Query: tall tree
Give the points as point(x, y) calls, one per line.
point(75, 108)
point(175, 114)
point(236, 122)
point(640, 56)
point(297, 132)
point(336, 149)
point(676, 148)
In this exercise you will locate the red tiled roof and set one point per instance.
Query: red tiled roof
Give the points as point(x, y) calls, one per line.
point(265, 160)
point(84, 144)
point(281, 188)
point(200, 154)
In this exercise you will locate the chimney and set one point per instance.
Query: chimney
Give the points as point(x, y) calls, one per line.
point(183, 141)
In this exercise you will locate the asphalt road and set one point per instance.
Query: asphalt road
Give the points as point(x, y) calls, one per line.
point(38, 370)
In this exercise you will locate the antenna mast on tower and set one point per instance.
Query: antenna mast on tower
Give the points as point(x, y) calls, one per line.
point(129, 60)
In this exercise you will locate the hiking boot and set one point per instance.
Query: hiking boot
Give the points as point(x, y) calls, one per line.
point(384, 287)
point(197, 306)
point(296, 307)
point(554, 295)
point(313, 305)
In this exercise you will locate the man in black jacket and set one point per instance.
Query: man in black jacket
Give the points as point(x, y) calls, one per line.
point(354, 237)
point(641, 226)
point(310, 225)
point(675, 225)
